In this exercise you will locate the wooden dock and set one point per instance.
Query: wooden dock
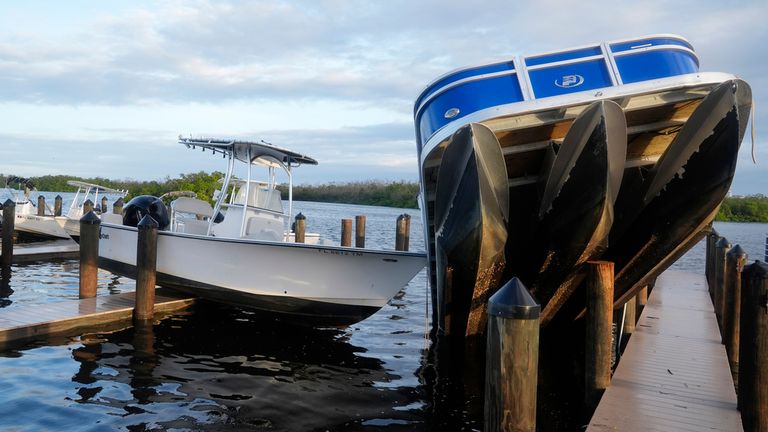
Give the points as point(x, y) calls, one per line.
point(72, 317)
point(674, 374)
point(45, 250)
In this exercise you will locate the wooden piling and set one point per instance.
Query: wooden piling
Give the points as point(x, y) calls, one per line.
point(89, 254)
point(57, 203)
point(642, 300)
point(598, 326)
point(709, 262)
point(117, 206)
point(402, 237)
point(735, 260)
point(721, 248)
point(9, 223)
point(346, 232)
point(512, 356)
point(360, 231)
point(630, 320)
point(146, 264)
point(104, 204)
point(753, 348)
point(299, 228)
point(87, 206)
point(40, 205)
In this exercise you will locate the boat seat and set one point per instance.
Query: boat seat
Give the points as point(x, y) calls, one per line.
point(194, 226)
point(192, 205)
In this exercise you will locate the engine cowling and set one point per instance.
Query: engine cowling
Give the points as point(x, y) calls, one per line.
point(146, 205)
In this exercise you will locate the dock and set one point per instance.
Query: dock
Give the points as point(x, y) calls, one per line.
point(45, 250)
point(73, 317)
point(674, 373)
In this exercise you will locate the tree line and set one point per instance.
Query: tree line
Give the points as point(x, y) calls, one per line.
point(751, 208)
point(390, 194)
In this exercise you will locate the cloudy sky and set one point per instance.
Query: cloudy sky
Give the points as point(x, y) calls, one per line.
point(103, 88)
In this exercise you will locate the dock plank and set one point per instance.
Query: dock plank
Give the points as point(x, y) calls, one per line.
point(45, 250)
point(70, 316)
point(674, 374)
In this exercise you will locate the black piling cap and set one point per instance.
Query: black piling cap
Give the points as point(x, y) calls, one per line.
point(119, 201)
point(300, 216)
point(90, 218)
point(737, 252)
point(513, 301)
point(723, 243)
point(9, 203)
point(758, 270)
point(147, 222)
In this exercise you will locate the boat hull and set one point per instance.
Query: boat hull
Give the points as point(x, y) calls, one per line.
point(304, 283)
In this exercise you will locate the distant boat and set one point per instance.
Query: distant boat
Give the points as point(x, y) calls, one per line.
point(242, 250)
point(534, 165)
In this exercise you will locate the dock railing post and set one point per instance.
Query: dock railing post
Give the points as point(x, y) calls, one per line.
point(146, 263)
point(512, 359)
point(721, 248)
point(598, 326)
point(403, 232)
point(346, 232)
point(117, 206)
point(735, 260)
point(753, 348)
point(89, 254)
point(9, 223)
point(40, 205)
point(299, 227)
point(57, 203)
point(87, 206)
point(360, 231)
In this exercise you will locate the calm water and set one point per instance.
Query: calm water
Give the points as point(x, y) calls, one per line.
point(218, 368)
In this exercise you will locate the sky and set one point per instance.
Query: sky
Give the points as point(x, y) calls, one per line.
point(104, 88)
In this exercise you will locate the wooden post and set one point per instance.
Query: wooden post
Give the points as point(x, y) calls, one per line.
point(709, 262)
point(299, 228)
point(9, 223)
point(89, 254)
point(104, 204)
point(642, 300)
point(146, 263)
point(87, 206)
point(346, 232)
point(40, 205)
point(360, 231)
point(721, 248)
point(598, 325)
point(629, 321)
point(57, 203)
point(753, 348)
point(117, 206)
point(402, 237)
point(512, 357)
point(735, 260)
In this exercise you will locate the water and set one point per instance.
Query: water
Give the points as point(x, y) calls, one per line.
point(219, 368)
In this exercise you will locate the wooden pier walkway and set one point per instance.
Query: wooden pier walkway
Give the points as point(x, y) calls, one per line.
point(45, 250)
point(75, 316)
point(674, 374)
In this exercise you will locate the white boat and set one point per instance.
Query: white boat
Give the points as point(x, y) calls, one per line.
point(241, 250)
point(30, 220)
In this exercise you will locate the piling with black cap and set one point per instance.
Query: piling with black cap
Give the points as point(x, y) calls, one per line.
point(346, 232)
point(146, 264)
point(512, 359)
point(753, 348)
point(9, 223)
point(40, 205)
point(721, 248)
point(735, 260)
point(57, 203)
point(300, 224)
point(87, 206)
point(403, 235)
point(103, 204)
point(117, 206)
point(89, 254)
point(599, 321)
point(360, 231)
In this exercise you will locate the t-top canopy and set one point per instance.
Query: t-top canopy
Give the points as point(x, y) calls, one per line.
point(260, 152)
point(96, 187)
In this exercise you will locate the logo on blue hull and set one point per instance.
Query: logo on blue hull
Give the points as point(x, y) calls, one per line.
point(569, 81)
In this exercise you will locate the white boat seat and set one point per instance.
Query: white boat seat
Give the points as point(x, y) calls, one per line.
point(193, 226)
point(193, 206)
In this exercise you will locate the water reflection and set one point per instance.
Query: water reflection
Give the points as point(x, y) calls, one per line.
point(5, 286)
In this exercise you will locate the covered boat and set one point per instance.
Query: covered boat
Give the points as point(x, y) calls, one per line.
point(242, 249)
point(620, 150)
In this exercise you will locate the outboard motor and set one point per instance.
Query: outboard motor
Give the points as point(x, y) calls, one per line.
point(143, 205)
